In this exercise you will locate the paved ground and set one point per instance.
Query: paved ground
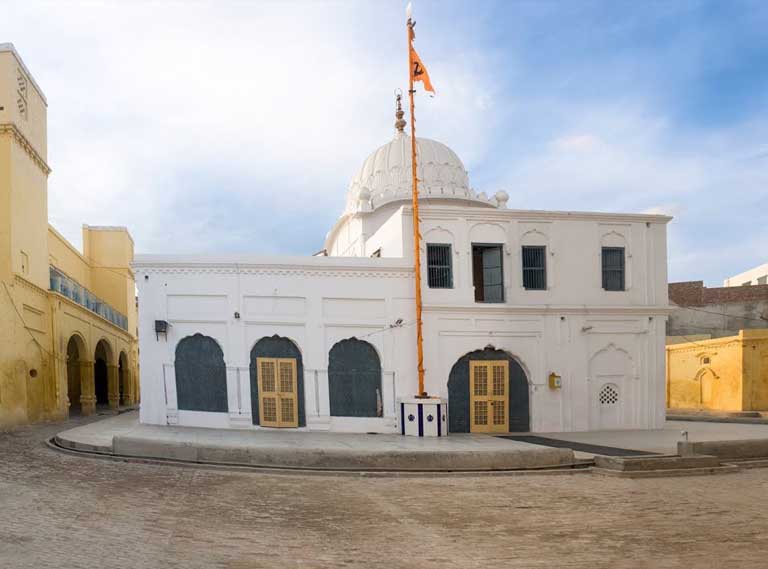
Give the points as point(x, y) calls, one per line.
point(64, 511)
point(665, 440)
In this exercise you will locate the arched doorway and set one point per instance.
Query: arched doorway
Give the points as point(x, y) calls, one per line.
point(354, 379)
point(101, 361)
point(499, 398)
point(75, 350)
point(201, 375)
point(277, 383)
point(123, 379)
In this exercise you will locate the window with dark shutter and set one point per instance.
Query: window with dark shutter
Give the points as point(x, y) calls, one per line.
point(488, 273)
point(534, 268)
point(613, 268)
point(439, 268)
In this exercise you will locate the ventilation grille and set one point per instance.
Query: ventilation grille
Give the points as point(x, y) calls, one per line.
point(609, 395)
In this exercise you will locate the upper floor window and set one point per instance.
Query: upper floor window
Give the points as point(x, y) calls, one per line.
point(488, 273)
point(613, 268)
point(534, 268)
point(439, 270)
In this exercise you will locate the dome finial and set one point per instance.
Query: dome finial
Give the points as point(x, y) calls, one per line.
point(400, 122)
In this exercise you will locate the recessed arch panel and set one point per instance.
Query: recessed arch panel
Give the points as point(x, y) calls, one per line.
point(459, 399)
point(201, 375)
point(354, 379)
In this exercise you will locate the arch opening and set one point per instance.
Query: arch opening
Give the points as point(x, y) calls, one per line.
point(123, 379)
point(515, 404)
point(74, 375)
point(354, 379)
point(277, 361)
point(201, 375)
point(101, 360)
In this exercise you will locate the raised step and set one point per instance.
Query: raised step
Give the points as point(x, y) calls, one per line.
point(725, 469)
point(759, 463)
point(652, 463)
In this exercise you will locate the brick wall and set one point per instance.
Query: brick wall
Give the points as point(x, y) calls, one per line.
point(717, 312)
point(694, 293)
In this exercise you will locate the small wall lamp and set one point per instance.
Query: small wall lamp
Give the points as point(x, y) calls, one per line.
point(555, 381)
point(161, 327)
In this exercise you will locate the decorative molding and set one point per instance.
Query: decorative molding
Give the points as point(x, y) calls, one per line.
point(18, 136)
point(18, 279)
point(224, 269)
point(549, 309)
point(489, 215)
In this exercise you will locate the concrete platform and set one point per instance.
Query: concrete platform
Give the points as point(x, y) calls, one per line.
point(664, 441)
point(124, 436)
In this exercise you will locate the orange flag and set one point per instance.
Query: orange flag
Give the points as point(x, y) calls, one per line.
point(419, 72)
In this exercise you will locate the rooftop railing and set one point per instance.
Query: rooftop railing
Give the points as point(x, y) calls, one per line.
point(76, 292)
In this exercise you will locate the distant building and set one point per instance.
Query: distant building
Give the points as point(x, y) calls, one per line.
point(723, 374)
point(701, 312)
point(756, 276)
point(67, 319)
point(533, 320)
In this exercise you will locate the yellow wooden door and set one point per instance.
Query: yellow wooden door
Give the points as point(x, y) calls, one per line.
point(278, 401)
point(489, 396)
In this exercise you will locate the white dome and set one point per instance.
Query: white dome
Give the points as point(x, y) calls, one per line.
point(386, 175)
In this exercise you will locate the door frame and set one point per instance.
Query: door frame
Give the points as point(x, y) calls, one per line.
point(491, 398)
point(279, 394)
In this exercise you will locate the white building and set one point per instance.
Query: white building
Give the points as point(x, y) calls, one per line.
point(756, 276)
point(512, 299)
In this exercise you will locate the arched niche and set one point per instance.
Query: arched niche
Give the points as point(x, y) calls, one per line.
point(201, 375)
point(354, 379)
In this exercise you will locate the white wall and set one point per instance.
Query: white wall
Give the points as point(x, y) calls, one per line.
point(751, 276)
point(314, 301)
point(589, 336)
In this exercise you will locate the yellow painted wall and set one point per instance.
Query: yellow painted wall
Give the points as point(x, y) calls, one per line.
point(724, 374)
point(755, 369)
point(36, 323)
point(64, 256)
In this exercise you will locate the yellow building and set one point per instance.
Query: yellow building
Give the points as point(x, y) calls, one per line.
point(67, 319)
point(724, 374)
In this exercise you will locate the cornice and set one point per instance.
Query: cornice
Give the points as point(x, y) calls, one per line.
point(486, 214)
point(18, 136)
point(348, 272)
point(18, 279)
point(549, 309)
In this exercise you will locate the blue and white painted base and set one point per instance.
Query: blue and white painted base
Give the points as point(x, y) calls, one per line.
point(423, 417)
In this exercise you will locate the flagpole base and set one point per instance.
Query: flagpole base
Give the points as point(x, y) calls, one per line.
point(421, 417)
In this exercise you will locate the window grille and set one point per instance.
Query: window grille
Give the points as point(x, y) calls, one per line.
point(488, 273)
point(534, 268)
point(439, 265)
point(613, 268)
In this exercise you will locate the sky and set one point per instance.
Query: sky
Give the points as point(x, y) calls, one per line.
point(228, 127)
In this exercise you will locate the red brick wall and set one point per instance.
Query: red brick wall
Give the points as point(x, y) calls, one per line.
point(694, 293)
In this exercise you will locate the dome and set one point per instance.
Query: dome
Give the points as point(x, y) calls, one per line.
point(386, 175)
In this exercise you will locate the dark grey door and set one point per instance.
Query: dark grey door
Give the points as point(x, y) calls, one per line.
point(201, 375)
point(354, 379)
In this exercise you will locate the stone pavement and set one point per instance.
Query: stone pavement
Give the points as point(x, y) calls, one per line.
point(62, 511)
point(664, 441)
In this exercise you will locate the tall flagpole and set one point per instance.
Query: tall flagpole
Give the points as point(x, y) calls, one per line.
point(416, 222)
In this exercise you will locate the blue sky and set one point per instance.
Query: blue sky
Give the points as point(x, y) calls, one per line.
point(233, 127)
